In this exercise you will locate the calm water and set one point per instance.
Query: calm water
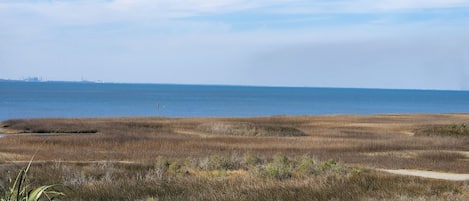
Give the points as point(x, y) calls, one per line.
point(54, 99)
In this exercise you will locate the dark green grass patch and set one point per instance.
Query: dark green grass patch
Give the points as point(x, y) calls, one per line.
point(452, 130)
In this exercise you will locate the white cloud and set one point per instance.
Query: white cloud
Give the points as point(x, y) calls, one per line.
point(125, 9)
point(402, 5)
point(201, 6)
point(92, 11)
point(364, 6)
point(152, 40)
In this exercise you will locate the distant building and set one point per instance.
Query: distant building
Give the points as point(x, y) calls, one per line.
point(33, 79)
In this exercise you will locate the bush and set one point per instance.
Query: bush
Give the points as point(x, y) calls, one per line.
point(283, 168)
point(174, 167)
point(307, 166)
point(280, 168)
point(216, 162)
point(162, 163)
point(452, 130)
point(250, 159)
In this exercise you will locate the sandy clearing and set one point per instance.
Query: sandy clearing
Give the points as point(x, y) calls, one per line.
point(409, 133)
point(414, 153)
point(429, 174)
point(10, 156)
point(193, 133)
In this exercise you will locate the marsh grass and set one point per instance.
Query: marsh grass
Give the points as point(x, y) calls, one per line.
point(328, 181)
point(451, 130)
point(249, 129)
point(147, 158)
point(48, 126)
point(439, 156)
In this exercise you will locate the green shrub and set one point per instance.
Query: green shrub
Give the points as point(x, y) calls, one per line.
point(277, 171)
point(332, 167)
point(211, 163)
point(162, 163)
point(174, 168)
point(307, 166)
point(250, 159)
point(327, 165)
point(216, 162)
point(280, 168)
point(452, 130)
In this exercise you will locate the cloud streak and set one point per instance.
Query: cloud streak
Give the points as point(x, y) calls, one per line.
point(351, 43)
point(90, 11)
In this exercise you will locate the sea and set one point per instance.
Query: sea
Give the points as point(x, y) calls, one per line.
point(76, 99)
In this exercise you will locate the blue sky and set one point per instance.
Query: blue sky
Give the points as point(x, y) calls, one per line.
point(417, 44)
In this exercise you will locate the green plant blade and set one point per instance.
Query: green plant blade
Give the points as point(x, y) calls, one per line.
point(36, 193)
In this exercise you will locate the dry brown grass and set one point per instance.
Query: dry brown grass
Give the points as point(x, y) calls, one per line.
point(130, 147)
point(249, 129)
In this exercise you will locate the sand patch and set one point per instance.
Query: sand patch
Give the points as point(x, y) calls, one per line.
point(2, 133)
point(6, 157)
point(440, 154)
point(429, 174)
point(409, 133)
point(193, 133)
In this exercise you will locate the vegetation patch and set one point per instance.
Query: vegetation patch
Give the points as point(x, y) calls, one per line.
point(149, 159)
point(20, 189)
point(452, 130)
point(49, 126)
point(283, 167)
point(143, 125)
point(249, 129)
point(277, 178)
point(439, 156)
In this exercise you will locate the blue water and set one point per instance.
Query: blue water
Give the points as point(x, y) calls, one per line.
point(60, 99)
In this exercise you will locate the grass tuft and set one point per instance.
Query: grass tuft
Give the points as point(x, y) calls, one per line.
point(21, 190)
point(452, 130)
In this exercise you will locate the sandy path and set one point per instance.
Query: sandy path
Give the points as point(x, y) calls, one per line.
point(429, 174)
point(190, 132)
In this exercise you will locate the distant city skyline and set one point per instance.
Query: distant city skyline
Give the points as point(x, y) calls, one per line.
point(404, 44)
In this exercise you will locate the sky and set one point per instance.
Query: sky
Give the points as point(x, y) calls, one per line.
point(404, 44)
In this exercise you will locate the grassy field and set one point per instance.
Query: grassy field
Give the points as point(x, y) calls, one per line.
point(265, 158)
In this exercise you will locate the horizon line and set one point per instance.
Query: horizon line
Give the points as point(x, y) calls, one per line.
point(222, 85)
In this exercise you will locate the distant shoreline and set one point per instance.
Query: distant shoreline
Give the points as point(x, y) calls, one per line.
point(220, 85)
point(247, 117)
point(52, 81)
